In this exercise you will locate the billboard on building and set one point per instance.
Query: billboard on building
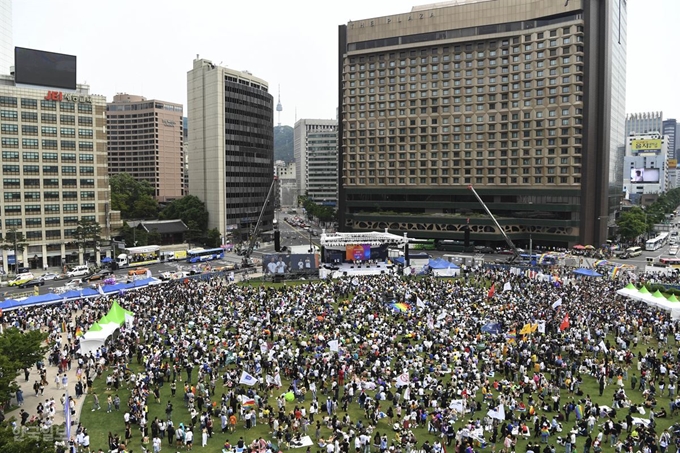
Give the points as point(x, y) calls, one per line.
point(672, 164)
point(283, 263)
point(47, 69)
point(644, 175)
point(646, 145)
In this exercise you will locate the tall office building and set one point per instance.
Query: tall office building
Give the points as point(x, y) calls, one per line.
point(643, 123)
point(315, 147)
point(231, 150)
point(669, 128)
point(53, 170)
point(519, 98)
point(146, 140)
point(287, 184)
point(6, 46)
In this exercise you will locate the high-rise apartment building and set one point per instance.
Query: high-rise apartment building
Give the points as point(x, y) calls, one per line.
point(231, 150)
point(522, 99)
point(54, 170)
point(6, 47)
point(315, 147)
point(643, 123)
point(146, 140)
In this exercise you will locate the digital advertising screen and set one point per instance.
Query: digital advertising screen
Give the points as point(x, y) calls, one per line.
point(283, 263)
point(358, 252)
point(644, 175)
point(48, 69)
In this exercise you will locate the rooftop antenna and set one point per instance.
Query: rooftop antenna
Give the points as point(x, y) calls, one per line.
point(279, 107)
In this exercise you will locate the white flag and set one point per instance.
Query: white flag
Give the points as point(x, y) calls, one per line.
point(402, 380)
point(420, 303)
point(541, 326)
point(334, 345)
point(100, 289)
point(458, 406)
point(507, 287)
point(603, 346)
point(557, 303)
point(264, 347)
point(498, 413)
point(247, 379)
point(148, 273)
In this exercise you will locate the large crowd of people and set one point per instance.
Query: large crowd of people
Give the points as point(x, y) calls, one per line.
point(470, 366)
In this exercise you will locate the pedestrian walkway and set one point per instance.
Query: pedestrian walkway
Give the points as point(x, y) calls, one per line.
point(51, 391)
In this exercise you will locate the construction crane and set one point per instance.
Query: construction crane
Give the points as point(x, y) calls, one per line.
point(253, 238)
point(515, 253)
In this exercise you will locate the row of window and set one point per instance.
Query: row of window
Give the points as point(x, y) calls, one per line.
point(34, 143)
point(51, 118)
point(32, 235)
point(13, 156)
point(48, 195)
point(35, 183)
point(14, 210)
point(27, 129)
point(28, 103)
point(539, 180)
point(8, 169)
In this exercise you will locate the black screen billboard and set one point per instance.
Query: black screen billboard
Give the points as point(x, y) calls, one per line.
point(48, 69)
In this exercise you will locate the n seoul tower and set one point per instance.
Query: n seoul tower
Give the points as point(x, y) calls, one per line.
point(279, 107)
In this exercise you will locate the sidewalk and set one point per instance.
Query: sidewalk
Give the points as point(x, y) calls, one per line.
point(51, 391)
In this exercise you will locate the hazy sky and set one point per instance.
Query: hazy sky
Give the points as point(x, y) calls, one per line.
point(147, 46)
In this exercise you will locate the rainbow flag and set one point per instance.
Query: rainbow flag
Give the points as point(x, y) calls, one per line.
point(600, 263)
point(511, 336)
point(615, 271)
point(79, 332)
point(248, 403)
point(401, 306)
point(579, 412)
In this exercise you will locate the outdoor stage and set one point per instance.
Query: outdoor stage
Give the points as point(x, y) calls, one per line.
point(349, 270)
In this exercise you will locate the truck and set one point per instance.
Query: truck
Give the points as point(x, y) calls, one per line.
point(139, 256)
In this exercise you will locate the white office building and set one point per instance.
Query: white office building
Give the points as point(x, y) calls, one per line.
point(316, 159)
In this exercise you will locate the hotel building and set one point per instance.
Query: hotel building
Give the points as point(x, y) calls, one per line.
point(522, 99)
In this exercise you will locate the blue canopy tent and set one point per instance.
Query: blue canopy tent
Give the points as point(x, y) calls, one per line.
point(443, 268)
point(587, 272)
point(399, 260)
point(106, 259)
point(33, 301)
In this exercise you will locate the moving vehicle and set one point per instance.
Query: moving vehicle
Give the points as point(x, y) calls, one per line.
point(632, 251)
point(200, 254)
point(31, 283)
point(657, 242)
point(673, 250)
point(20, 279)
point(100, 275)
point(49, 276)
point(139, 256)
point(78, 271)
point(138, 271)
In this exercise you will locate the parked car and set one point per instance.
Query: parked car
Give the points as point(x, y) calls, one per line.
point(32, 283)
point(673, 250)
point(20, 279)
point(483, 249)
point(138, 271)
point(49, 276)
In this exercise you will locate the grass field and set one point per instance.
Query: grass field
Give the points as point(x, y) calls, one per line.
point(100, 423)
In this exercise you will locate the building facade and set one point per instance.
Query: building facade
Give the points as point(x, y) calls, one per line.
point(643, 123)
point(646, 166)
point(54, 171)
point(231, 150)
point(287, 184)
point(146, 140)
point(669, 128)
point(316, 159)
point(6, 38)
point(519, 98)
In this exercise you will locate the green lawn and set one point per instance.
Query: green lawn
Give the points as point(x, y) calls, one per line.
point(99, 423)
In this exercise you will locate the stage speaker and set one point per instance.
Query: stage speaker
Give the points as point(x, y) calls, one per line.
point(277, 240)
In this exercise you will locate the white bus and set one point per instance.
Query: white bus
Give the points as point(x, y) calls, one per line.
point(657, 242)
point(633, 251)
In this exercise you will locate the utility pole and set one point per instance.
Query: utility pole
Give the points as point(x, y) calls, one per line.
point(16, 258)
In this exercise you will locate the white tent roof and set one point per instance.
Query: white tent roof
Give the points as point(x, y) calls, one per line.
point(339, 240)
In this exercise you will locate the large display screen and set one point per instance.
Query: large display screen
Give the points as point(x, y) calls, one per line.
point(358, 252)
point(282, 263)
point(644, 175)
point(48, 69)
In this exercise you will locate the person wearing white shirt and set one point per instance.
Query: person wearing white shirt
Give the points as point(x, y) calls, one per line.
point(156, 444)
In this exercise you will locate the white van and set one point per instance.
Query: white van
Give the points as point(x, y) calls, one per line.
point(78, 271)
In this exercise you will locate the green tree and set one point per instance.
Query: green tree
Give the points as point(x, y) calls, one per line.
point(88, 234)
point(134, 199)
point(16, 242)
point(192, 212)
point(11, 443)
point(133, 237)
point(214, 238)
point(18, 350)
point(632, 223)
